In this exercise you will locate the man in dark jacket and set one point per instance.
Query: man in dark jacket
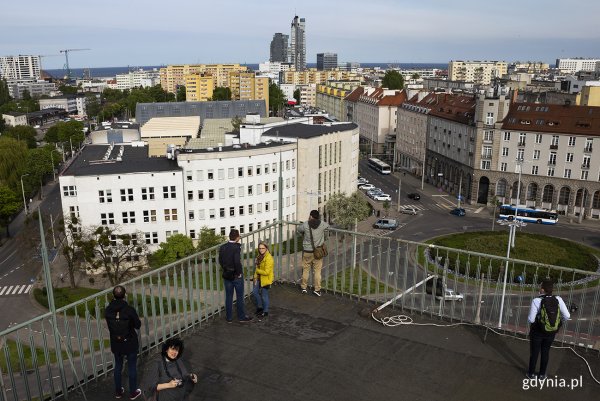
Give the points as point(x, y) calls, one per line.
point(123, 321)
point(233, 276)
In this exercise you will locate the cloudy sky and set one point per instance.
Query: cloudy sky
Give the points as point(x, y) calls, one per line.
point(151, 32)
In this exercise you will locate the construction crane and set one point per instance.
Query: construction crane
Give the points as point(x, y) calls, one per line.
point(67, 68)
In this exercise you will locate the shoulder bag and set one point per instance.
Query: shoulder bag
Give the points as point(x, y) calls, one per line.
point(318, 251)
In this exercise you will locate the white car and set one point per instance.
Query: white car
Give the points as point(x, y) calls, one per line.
point(382, 197)
point(36, 126)
point(451, 295)
point(408, 210)
point(367, 187)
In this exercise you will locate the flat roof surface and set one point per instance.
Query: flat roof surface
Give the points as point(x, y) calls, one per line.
point(134, 160)
point(327, 348)
point(306, 131)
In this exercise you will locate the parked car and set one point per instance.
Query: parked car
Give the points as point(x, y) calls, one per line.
point(414, 195)
point(388, 224)
point(366, 187)
point(451, 295)
point(362, 181)
point(382, 197)
point(409, 210)
point(458, 211)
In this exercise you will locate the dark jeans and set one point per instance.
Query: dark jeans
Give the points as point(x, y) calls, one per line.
point(261, 294)
point(238, 285)
point(131, 371)
point(539, 342)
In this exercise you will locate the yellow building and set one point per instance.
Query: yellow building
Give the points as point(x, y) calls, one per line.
point(312, 76)
point(199, 87)
point(331, 97)
point(173, 76)
point(589, 96)
point(247, 86)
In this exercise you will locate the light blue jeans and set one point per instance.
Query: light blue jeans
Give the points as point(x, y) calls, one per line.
point(262, 297)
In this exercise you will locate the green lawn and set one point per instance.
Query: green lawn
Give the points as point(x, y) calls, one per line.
point(531, 247)
point(13, 352)
point(356, 281)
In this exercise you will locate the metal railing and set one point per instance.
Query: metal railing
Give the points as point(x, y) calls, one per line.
point(182, 296)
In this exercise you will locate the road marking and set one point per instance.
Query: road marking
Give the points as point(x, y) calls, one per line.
point(2, 291)
point(8, 257)
point(19, 289)
point(439, 195)
point(479, 210)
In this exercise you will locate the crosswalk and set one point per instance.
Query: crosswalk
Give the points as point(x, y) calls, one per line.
point(17, 289)
point(413, 206)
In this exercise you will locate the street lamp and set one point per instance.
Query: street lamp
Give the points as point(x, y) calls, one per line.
point(52, 162)
point(23, 191)
point(459, 191)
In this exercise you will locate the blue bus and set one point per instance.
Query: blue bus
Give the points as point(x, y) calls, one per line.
point(528, 214)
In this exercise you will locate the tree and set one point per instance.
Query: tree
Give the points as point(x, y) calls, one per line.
point(386, 206)
point(415, 76)
point(68, 89)
point(92, 106)
point(69, 131)
point(393, 80)
point(4, 94)
point(236, 122)
point(221, 93)
point(39, 165)
point(10, 204)
point(23, 133)
point(71, 234)
point(208, 239)
point(343, 210)
point(276, 99)
point(297, 96)
point(13, 156)
point(181, 95)
point(119, 255)
point(178, 246)
point(2, 125)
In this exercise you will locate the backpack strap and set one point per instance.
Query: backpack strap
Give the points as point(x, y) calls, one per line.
point(312, 241)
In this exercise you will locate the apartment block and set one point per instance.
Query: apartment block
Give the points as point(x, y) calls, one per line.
point(20, 67)
point(247, 86)
point(573, 65)
point(135, 79)
point(173, 76)
point(199, 87)
point(331, 97)
point(312, 76)
point(478, 72)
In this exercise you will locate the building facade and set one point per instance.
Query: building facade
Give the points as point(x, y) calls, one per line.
point(279, 48)
point(573, 65)
point(298, 43)
point(248, 86)
point(331, 97)
point(13, 119)
point(478, 72)
point(20, 67)
point(136, 79)
point(17, 88)
point(199, 87)
point(327, 61)
point(71, 104)
point(173, 76)
point(312, 76)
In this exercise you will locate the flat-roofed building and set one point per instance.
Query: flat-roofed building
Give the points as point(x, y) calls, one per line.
point(21, 67)
point(159, 133)
point(331, 97)
point(13, 118)
point(478, 72)
point(573, 65)
point(248, 86)
point(199, 87)
point(173, 76)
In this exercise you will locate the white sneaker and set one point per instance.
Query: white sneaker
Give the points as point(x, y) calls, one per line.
point(317, 293)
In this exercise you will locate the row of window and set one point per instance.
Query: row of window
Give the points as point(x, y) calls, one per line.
point(567, 173)
point(250, 190)
point(330, 153)
point(554, 142)
point(242, 172)
point(487, 152)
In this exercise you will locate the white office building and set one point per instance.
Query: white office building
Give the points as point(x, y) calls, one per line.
point(572, 65)
point(135, 79)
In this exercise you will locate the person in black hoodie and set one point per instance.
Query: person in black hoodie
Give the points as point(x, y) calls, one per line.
point(123, 321)
point(167, 377)
point(233, 276)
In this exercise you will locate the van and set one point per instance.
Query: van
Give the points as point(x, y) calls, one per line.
point(388, 224)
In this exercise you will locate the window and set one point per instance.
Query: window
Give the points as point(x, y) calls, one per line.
point(259, 208)
point(211, 194)
point(487, 152)
point(550, 171)
point(249, 190)
point(127, 195)
point(128, 217)
point(507, 136)
point(554, 140)
point(504, 151)
point(148, 193)
point(149, 216)
point(74, 211)
point(536, 155)
point(222, 212)
point(241, 210)
point(522, 137)
point(211, 175)
point(151, 238)
point(249, 171)
point(503, 166)
point(232, 211)
point(250, 209)
point(69, 190)
point(538, 138)
point(221, 193)
point(241, 192)
point(287, 183)
point(231, 192)
point(240, 171)
point(534, 170)
point(190, 195)
point(586, 162)
point(258, 189)
point(552, 159)
point(250, 227)
point(201, 214)
point(274, 167)
point(274, 186)
point(230, 173)
point(571, 141)
point(200, 175)
point(567, 173)
point(188, 176)
point(293, 182)
point(193, 234)
point(266, 206)
point(293, 163)
point(584, 174)
point(200, 194)
point(520, 154)
point(267, 187)
point(588, 144)
point(113, 240)
point(258, 170)
point(170, 214)
point(274, 205)
point(485, 164)
point(221, 173)
point(107, 218)
point(266, 169)
point(191, 215)
point(211, 214)
point(488, 136)
point(105, 196)
point(169, 192)
point(569, 158)
point(287, 162)
point(489, 119)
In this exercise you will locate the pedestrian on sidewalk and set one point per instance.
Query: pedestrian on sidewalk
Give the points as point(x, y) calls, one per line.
point(233, 276)
point(545, 316)
point(123, 321)
point(263, 278)
point(314, 236)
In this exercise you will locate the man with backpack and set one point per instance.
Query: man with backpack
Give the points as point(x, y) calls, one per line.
point(123, 321)
point(546, 316)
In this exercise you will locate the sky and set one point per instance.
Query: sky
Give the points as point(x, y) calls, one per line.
point(152, 32)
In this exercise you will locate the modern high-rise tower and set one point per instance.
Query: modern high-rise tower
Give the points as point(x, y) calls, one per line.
point(279, 48)
point(327, 61)
point(298, 44)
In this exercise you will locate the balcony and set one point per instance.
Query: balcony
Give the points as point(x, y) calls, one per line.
point(553, 147)
point(521, 143)
point(585, 166)
point(343, 329)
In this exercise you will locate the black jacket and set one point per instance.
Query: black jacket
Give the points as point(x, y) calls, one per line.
point(230, 257)
point(126, 311)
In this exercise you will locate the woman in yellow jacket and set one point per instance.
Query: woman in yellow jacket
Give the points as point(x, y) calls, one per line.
point(263, 278)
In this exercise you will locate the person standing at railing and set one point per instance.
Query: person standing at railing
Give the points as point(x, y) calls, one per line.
point(123, 321)
point(546, 315)
point(263, 278)
point(314, 237)
point(233, 276)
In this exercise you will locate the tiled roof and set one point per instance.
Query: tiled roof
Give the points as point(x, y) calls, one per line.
point(355, 94)
point(554, 118)
point(457, 108)
point(394, 100)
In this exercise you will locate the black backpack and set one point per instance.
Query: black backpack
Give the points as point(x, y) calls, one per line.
point(548, 316)
point(118, 327)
